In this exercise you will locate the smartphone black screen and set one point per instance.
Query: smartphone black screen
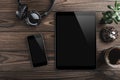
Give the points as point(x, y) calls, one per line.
point(37, 50)
point(75, 40)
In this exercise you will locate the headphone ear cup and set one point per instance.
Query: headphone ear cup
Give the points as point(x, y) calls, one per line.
point(22, 11)
point(33, 18)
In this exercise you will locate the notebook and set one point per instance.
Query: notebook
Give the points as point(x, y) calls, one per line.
point(75, 40)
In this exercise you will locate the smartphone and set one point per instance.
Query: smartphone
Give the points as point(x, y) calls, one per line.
point(37, 50)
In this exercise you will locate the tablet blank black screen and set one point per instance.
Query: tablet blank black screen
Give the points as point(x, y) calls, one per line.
point(75, 40)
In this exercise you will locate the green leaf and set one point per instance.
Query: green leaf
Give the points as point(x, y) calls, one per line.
point(106, 16)
point(109, 13)
point(111, 7)
point(118, 18)
point(116, 4)
point(117, 13)
point(115, 21)
point(108, 21)
point(114, 15)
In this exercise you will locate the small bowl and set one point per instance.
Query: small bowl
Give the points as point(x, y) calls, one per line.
point(112, 57)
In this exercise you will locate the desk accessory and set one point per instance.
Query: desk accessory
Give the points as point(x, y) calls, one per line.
point(112, 57)
point(111, 15)
point(75, 40)
point(32, 18)
point(37, 50)
point(108, 34)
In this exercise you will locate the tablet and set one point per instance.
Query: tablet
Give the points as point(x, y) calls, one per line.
point(75, 40)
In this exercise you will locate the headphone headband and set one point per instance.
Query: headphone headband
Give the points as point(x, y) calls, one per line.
point(49, 9)
point(19, 2)
point(46, 12)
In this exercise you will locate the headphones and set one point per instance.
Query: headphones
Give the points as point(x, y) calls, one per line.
point(32, 18)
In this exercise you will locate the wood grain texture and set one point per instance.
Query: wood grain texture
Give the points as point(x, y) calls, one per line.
point(11, 5)
point(60, 5)
point(9, 22)
point(82, 5)
point(15, 62)
point(21, 61)
point(66, 75)
point(17, 41)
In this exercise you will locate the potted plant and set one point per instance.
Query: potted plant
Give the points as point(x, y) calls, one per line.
point(112, 15)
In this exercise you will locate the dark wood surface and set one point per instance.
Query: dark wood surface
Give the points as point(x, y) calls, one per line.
point(15, 61)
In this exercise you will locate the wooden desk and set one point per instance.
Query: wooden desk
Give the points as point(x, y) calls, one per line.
point(15, 61)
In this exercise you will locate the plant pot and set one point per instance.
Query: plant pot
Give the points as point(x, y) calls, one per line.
point(108, 34)
point(112, 57)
